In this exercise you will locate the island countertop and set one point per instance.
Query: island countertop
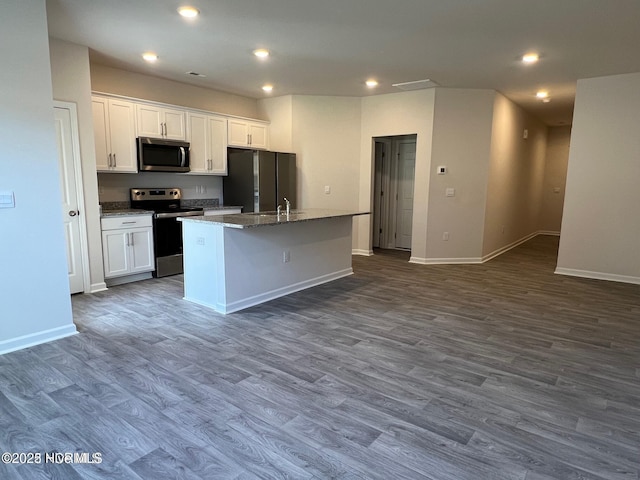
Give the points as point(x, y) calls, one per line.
point(263, 219)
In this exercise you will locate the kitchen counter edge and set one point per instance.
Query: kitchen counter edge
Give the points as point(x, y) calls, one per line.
point(265, 219)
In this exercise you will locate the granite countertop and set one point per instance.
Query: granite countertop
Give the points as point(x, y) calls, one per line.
point(222, 207)
point(263, 219)
point(125, 211)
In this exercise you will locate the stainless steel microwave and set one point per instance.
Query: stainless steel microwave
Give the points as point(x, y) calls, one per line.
point(160, 155)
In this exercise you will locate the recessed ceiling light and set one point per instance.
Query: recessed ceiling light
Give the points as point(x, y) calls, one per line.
point(150, 56)
point(371, 83)
point(542, 94)
point(530, 58)
point(261, 53)
point(188, 12)
point(267, 88)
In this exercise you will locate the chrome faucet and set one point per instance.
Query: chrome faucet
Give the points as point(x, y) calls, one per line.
point(288, 205)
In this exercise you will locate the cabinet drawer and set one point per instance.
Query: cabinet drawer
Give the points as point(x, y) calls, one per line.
point(126, 221)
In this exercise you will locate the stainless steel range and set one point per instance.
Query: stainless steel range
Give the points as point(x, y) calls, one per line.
point(167, 230)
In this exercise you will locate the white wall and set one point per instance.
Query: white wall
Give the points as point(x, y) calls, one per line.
point(136, 85)
point(402, 113)
point(71, 82)
point(514, 189)
point(601, 221)
point(34, 285)
point(326, 139)
point(279, 111)
point(555, 179)
point(462, 143)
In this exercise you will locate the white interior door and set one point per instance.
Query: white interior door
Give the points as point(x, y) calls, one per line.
point(67, 158)
point(406, 175)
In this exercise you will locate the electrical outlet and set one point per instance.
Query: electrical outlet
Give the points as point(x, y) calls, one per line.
point(286, 256)
point(327, 189)
point(445, 236)
point(200, 241)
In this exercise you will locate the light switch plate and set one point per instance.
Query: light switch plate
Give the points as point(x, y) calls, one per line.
point(451, 192)
point(7, 200)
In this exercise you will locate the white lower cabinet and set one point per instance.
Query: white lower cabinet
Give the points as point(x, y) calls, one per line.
point(127, 245)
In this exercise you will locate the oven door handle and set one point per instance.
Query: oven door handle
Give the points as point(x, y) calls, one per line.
point(178, 214)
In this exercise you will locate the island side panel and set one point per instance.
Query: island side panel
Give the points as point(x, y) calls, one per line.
point(203, 260)
point(319, 251)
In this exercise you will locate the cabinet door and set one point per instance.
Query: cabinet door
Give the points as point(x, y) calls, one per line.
point(199, 151)
point(149, 121)
point(174, 124)
point(258, 137)
point(141, 250)
point(100, 108)
point(238, 135)
point(122, 128)
point(217, 130)
point(115, 253)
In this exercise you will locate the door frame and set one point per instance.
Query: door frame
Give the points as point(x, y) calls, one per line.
point(77, 166)
point(387, 207)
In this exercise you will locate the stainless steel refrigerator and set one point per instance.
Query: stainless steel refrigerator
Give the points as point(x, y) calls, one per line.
point(259, 180)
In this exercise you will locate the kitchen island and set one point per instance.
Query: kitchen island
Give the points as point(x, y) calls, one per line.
point(232, 262)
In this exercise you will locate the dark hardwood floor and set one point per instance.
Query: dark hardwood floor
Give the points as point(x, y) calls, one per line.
point(495, 371)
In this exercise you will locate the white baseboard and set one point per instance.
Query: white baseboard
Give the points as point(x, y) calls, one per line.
point(276, 293)
point(444, 261)
point(612, 277)
point(506, 248)
point(36, 338)
point(359, 251)
point(111, 282)
point(483, 259)
point(98, 287)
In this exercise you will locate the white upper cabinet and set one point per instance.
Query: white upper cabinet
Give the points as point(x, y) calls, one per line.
point(207, 135)
point(160, 122)
point(115, 135)
point(248, 133)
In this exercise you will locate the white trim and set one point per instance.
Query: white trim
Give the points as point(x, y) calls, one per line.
point(32, 339)
point(485, 258)
point(362, 251)
point(273, 294)
point(612, 277)
point(111, 282)
point(98, 287)
point(79, 184)
point(506, 248)
point(444, 261)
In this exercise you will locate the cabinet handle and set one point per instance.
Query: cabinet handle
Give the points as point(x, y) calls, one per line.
point(115, 163)
point(127, 239)
point(131, 243)
point(163, 127)
point(250, 139)
point(129, 223)
point(109, 160)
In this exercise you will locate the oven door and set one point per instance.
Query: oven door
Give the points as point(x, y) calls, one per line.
point(167, 242)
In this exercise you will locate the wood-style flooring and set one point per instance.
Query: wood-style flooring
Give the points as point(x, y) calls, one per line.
point(454, 372)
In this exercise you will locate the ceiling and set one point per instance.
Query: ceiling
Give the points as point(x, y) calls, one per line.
point(330, 47)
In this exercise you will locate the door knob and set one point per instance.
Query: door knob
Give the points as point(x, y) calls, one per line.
point(73, 213)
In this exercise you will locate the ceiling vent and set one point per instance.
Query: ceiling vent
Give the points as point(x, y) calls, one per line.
point(417, 85)
point(195, 74)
